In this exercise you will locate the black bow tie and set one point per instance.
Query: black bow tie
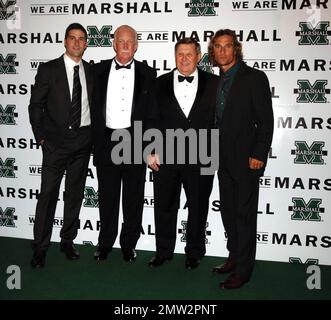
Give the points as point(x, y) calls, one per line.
point(118, 66)
point(182, 78)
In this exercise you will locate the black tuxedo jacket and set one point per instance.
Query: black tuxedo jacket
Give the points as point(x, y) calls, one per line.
point(50, 101)
point(166, 112)
point(143, 80)
point(247, 124)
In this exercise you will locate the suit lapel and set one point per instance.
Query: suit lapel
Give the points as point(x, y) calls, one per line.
point(89, 80)
point(62, 86)
point(199, 94)
point(235, 87)
point(237, 82)
point(103, 85)
point(138, 80)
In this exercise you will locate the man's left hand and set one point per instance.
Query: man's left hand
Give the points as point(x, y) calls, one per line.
point(255, 164)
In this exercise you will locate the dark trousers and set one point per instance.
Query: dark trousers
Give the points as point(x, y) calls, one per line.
point(132, 179)
point(70, 157)
point(239, 205)
point(167, 189)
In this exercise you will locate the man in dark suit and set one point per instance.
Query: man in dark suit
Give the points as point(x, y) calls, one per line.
point(245, 118)
point(120, 99)
point(60, 119)
point(184, 99)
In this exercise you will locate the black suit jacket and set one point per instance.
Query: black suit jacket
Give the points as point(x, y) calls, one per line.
point(50, 101)
point(247, 123)
point(144, 77)
point(166, 113)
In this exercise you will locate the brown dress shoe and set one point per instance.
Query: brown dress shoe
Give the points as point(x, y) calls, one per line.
point(226, 267)
point(234, 281)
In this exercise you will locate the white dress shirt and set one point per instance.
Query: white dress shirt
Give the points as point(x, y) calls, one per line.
point(69, 65)
point(119, 97)
point(185, 91)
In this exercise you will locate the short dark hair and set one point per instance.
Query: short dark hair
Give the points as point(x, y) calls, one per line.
point(75, 26)
point(189, 41)
point(236, 44)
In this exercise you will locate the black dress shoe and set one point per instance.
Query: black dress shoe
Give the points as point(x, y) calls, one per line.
point(191, 263)
point(234, 281)
point(69, 250)
point(158, 261)
point(226, 267)
point(38, 259)
point(101, 254)
point(129, 255)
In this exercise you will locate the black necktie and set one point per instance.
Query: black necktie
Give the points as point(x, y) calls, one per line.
point(76, 101)
point(182, 78)
point(118, 66)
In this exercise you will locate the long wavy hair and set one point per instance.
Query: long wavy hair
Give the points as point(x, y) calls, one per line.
point(225, 32)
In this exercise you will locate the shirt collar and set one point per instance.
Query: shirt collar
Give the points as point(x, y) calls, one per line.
point(71, 63)
point(232, 71)
point(121, 64)
point(194, 74)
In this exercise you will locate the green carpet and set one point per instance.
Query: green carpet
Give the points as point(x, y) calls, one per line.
point(117, 280)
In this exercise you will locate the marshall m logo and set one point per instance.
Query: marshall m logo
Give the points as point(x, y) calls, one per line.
point(200, 8)
point(306, 211)
point(313, 36)
point(312, 93)
point(309, 155)
point(100, 38)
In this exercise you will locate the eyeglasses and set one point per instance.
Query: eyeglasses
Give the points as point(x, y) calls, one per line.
point(227, 46)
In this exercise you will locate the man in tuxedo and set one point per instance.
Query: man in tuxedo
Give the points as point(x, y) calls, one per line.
point(184, 99)
point(60, 119)
point(120, 99)
point(244, 117)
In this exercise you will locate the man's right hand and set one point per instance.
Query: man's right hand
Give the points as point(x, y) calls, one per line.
point(153, 161)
